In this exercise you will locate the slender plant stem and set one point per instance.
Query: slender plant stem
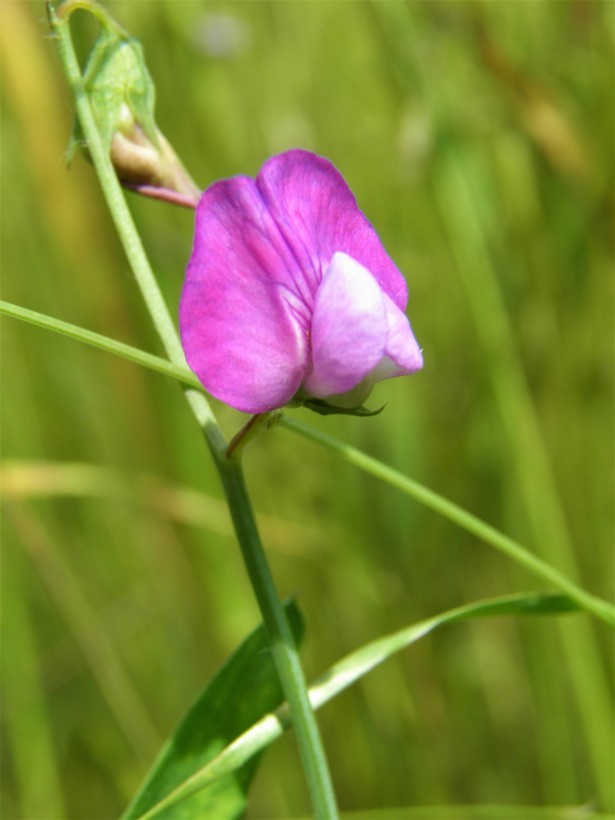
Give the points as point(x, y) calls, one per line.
point(132, 354)
point(284, 651)
point(281, 639)
point(256, 425)
point(464, 519)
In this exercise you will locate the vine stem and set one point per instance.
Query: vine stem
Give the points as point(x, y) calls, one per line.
point(464, 519)
point(283, 649)
point(453, 512)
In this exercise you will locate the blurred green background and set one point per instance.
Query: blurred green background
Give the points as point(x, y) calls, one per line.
point(478, 140)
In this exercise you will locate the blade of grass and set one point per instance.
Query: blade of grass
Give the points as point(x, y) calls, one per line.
point(468, 204)
point(480, 812)
point(98, 651)
point(459, 516)
point(348, 671)
point(28, 732)
point(459, 197)
point(43, 479)
point(97, 340)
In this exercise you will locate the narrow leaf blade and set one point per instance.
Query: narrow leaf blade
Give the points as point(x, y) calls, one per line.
point(358, 663)
point(244, 689)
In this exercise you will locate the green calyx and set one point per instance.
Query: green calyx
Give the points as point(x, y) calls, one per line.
point(122, 98)
point(323, 409)
point(116, 80)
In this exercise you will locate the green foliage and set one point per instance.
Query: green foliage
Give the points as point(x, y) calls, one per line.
point(206, 776)
point(477, 137)
point(241, 692)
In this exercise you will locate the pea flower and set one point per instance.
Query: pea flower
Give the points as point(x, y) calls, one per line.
point(289, 295)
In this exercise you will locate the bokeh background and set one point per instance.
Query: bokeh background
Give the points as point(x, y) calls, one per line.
point(477, 137)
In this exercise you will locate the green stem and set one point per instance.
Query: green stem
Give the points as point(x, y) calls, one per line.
point(114, 197)
point(283, 648)
point(463, 518)
point(541, 569)
point(256, 425)
point(132, 354)
point(282, 645)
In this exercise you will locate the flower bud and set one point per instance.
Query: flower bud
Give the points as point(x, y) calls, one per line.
point(122, 96)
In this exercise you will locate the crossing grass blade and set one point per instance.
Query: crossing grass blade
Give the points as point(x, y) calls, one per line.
point(244, 688)
point(338, 678)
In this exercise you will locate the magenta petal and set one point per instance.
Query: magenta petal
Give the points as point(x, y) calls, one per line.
point(349, 328)
point(243, 328)
point(289, 291)
point(318, 216)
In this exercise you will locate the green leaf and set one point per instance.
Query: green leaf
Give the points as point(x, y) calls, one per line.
point(363, 660)
point(240, 693)
point(353, 667)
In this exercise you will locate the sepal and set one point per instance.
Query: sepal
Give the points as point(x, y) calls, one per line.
point(122, 96)
point(323, 409)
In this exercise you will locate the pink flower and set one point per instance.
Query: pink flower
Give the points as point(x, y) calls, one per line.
point(289, 295)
